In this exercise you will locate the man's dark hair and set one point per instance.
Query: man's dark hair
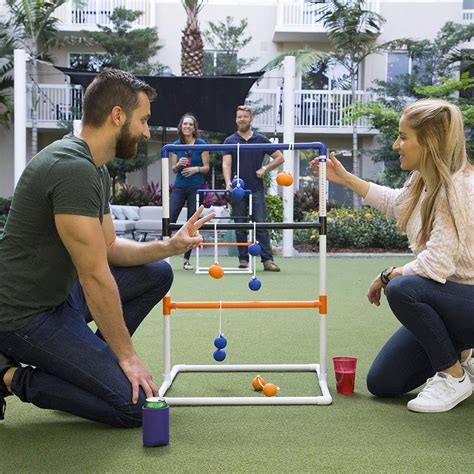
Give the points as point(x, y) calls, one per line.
point(112, 87)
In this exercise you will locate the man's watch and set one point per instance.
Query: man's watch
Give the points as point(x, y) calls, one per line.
point(264, 168)
point(385, 275)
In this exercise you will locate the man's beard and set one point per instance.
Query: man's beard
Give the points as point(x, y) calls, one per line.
point(126, 146)
point(243, 128)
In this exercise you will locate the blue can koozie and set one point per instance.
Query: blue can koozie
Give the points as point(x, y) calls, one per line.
point(156, 422)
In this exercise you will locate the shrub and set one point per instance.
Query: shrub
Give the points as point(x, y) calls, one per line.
point(354, 228)
point(274, 205)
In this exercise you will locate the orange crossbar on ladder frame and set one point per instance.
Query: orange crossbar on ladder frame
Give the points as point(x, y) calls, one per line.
point(203, 270)
point(320, 369)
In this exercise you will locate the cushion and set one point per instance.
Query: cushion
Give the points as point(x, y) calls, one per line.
point(117, 212)
point(130, 213)
point(151, 212)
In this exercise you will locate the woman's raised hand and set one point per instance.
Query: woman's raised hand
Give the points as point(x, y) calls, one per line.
point(335, 171)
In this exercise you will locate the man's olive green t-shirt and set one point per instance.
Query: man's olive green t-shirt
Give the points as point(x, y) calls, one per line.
point(36, 271)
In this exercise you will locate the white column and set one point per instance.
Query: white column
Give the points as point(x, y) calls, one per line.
point(19, 97)
point(288, 137)
point(76, 127)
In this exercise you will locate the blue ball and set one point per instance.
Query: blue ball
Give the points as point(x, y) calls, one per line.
point(255, 284)
point(238, 181)
point(219, 355)
point(237, 194)
point(255, 249)
point(220, 342)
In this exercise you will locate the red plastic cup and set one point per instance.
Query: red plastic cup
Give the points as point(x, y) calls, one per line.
point(344, 370)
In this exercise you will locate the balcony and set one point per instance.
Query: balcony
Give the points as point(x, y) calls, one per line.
point(56, 103)
point(96, 12)
point(316, 111)
point(298, 20)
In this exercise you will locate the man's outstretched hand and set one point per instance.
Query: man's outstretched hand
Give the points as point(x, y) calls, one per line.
point(188, 236)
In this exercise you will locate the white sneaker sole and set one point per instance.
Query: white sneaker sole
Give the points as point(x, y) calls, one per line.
point(412, 406)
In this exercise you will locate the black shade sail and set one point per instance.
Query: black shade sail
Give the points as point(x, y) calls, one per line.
point(212, 99)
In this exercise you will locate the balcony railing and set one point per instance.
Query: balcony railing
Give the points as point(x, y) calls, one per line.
point(56, 103)
point(96, 12)
point(301, 13)
point(313, 108)
point(468, 16)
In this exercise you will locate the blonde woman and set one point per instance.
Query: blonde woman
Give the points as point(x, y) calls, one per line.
point(433, 295)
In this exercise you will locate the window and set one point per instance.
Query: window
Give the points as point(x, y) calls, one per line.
point(87, 61)
point(327, 75)
point(217, 63)
point(400, 63)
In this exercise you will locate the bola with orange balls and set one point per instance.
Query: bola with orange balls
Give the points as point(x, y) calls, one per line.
point(284, 178)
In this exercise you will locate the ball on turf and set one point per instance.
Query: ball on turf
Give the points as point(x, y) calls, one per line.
point(258, 383)
point(270, 389)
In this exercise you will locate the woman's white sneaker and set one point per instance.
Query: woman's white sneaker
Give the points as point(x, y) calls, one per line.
point(441, 393)
point(468, 366)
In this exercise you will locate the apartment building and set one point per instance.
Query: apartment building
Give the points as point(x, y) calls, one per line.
point(275, 26)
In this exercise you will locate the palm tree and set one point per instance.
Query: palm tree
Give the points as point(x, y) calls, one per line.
point(6, 77)
point(353, 32)
point(32, 27)
point(192, 45)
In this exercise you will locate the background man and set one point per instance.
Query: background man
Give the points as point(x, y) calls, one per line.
point(251, 170)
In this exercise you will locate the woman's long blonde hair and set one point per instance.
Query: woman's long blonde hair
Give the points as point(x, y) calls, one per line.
point(439, 130)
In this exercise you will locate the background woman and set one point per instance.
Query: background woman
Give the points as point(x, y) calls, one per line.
point(190, 168)
point(433, 295)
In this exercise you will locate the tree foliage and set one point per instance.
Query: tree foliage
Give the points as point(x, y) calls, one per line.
point(228, 39)
point(127, 48)
point(435, 76)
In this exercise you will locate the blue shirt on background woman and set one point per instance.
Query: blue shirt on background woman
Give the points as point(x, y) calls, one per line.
point(190, 168)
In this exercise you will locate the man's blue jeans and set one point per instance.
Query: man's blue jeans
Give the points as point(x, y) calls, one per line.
point(438, 324)
point(259, 214)
point(71, 368)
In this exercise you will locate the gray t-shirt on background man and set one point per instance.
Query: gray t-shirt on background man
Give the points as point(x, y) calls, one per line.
point(36, 271)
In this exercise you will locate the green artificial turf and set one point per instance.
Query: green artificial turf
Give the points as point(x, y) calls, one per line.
point(357, 433)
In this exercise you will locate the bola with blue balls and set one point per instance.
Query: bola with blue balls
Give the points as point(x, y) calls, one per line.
point(219, 355)
point(220, 342)
point(255, 284)
point(255, 249)
point(237, 182)
point(237, 194)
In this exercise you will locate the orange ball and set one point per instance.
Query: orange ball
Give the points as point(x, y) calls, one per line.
point(284, 179)
point(258, 383)
point(270, 390)
point(216, 271)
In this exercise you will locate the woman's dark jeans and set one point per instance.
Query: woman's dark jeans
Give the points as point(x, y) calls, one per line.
point(438, 324)
point(179, 197)
point(69, 367)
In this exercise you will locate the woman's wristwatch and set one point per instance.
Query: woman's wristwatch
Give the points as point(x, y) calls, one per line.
point(385, 275)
